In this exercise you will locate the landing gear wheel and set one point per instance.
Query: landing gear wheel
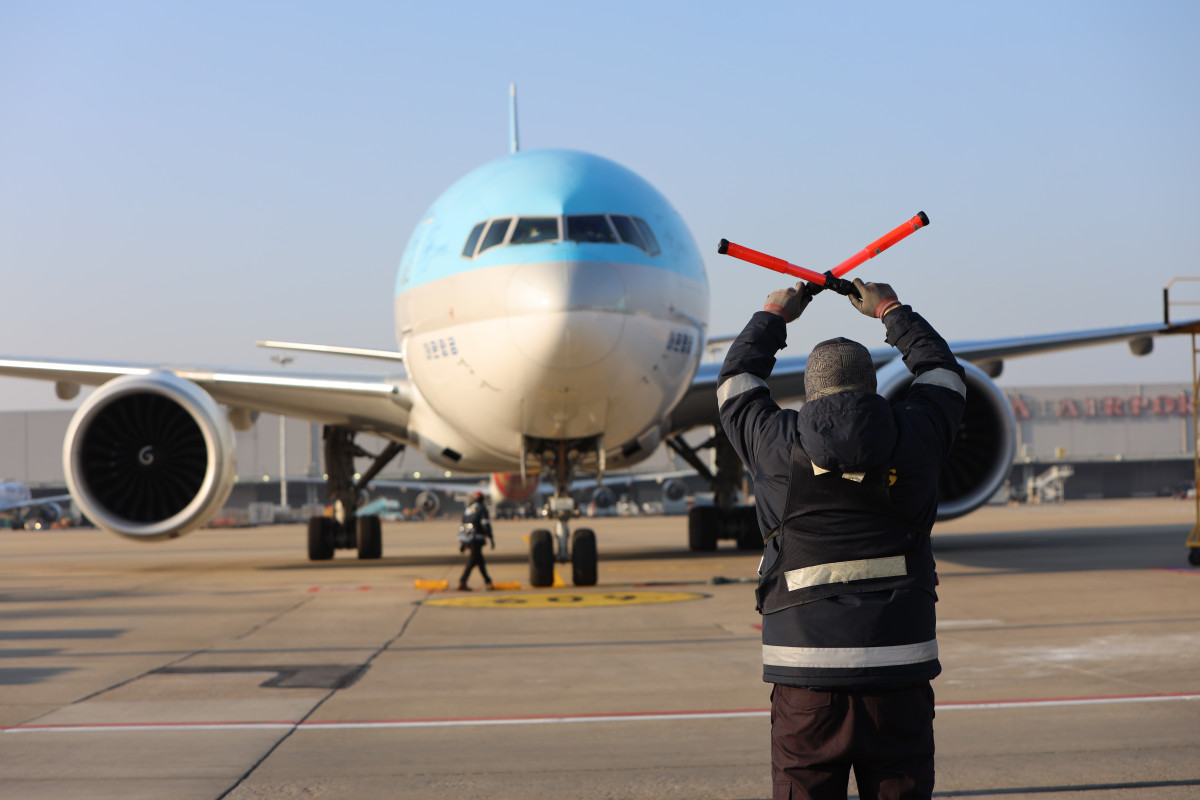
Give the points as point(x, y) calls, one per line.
point(370, 537)
point(704, 523)
point(583, 557)
point(321, 531)
point(541, 558)
point(1194, 556)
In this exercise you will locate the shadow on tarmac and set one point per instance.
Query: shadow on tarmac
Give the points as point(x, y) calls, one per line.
point(1066, 550)
point(672, 554)
point(1082, 787)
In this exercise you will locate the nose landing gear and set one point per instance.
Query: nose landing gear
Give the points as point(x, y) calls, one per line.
point(578, 548)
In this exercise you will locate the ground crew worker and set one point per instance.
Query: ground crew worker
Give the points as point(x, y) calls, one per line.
point(476, 529)
point(846, 492)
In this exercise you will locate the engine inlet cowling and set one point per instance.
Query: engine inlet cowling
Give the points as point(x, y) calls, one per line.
point(984, 446)
point(150, 456)
point(427, 503)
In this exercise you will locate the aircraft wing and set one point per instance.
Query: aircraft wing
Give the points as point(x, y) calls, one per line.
point(699, 406)
point(365, 403)
point(1139, 337)
point(35, 502)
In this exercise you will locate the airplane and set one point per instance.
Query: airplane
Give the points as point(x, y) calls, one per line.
point(510, 493)
point(551, 309)
point(22, 509)
point(504, 491)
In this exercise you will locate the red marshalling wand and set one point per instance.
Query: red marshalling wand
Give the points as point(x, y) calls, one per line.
point(833, 278)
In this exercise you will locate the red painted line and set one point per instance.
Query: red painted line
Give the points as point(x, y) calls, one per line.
point(632, 716)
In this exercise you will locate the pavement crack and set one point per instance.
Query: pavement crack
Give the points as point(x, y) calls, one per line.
point(296, 725)
point(259, 626)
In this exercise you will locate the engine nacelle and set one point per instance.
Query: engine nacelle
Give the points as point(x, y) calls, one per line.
point(674, 491)
point(984, 448)
point(604, 500)
point(48, 514)
point(427, 503)
point(150, 457)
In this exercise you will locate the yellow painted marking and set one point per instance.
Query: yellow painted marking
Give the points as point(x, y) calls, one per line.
point(663, 567)
point(564, 599)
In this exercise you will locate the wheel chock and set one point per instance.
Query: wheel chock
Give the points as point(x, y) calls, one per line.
point(431, 586)
point(506, 586)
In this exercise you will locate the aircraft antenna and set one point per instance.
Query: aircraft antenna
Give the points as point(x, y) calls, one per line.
point(512, 117)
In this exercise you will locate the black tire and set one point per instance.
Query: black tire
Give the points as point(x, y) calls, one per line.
point(320, 538)
point(704, 525)
point(370, 537)
point(745, 520)
point(1194, 556)
point(541, 558)
point(583, 557)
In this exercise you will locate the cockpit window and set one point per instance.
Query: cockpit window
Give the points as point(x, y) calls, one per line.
point(651, 243)
point(579, 228)
point(535, 229)
point(589, 228)
point(628, 231)
point(495, 233)
point(472, 240)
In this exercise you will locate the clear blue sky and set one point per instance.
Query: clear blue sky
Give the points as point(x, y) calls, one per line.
point(178, 180)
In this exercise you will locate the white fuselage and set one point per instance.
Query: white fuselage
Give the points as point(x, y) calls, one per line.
point(555, 350)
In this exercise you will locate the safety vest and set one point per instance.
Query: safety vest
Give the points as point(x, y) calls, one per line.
point(846, 587)
point(475, 526)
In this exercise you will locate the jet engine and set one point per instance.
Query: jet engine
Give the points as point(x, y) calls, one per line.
point(49, 513)
point(427, 503)
point(674, 491)
point(150, 456)
point(984, 448)
point(604, 501)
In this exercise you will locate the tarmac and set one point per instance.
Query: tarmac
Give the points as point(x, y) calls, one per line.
point(225, 665)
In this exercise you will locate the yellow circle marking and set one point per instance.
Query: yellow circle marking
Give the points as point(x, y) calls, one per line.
point(563, 599)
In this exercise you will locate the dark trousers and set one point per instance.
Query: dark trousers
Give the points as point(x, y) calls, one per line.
point(885, 736)
point(476, 558)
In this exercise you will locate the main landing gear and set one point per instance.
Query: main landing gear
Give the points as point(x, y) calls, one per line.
point(345, 530)
point(724, 519)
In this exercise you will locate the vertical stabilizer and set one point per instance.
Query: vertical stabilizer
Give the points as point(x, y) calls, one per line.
point(512, 118)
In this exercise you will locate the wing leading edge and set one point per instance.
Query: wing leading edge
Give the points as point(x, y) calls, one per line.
point(699, 405)
point(363, 403)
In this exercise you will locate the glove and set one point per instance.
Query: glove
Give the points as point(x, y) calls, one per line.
point(875, 299)
point(790, 303)
point(462, 548)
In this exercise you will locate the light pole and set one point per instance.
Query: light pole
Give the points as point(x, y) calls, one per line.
point(282, 361)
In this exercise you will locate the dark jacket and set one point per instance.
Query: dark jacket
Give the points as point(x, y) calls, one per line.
point(847, 579)
point(476, 527)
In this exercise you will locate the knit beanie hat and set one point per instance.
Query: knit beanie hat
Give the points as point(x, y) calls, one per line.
point(838, 365)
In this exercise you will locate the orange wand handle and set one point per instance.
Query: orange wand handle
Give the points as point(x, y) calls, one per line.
point(833, 278)
point(882, 243)
point(728, 248)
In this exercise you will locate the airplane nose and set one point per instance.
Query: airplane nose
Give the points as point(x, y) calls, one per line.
point(566, 315)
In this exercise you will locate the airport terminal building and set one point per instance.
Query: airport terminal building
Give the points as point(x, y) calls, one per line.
point(1109, 440)
point(1119, 440)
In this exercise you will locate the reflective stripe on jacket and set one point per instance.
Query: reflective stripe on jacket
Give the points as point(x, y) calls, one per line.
point(847, 580)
